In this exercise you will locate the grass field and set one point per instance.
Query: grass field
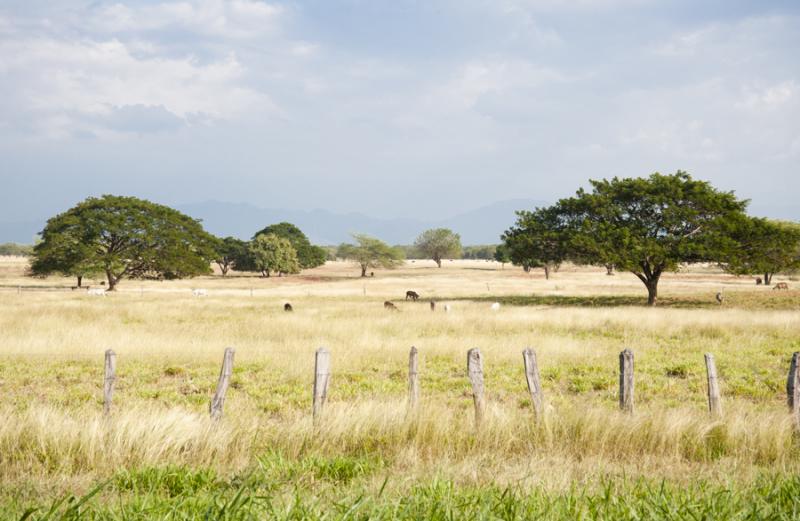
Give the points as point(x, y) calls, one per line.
point(159, 456)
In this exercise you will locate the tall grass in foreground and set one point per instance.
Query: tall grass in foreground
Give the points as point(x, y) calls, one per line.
point(47, 441)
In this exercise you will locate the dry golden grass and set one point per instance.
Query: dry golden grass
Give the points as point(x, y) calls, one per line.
point(169, 345)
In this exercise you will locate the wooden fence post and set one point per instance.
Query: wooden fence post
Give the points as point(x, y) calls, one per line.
point(413, 379)
point(218, 401)
point(109, 380)
point(714, 402)
point(626, 381)
point(534, 384)
point(475, 373)
point(793, 389)
point(322, 375)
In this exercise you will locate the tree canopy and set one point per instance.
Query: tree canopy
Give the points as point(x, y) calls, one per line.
point(370, 252)
point(229, 253)
point(271, 253)
point(537, 241)
point(439, 243)
point(642, 225)
point(308, 255)
point(123, 237)
point(759, 246)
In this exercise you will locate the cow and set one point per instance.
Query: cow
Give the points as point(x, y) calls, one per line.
point(433, 305)
point(758, 281)
point(288, 307)
point(495, 306)
point(388, 305)
point(781, 285)
point(97, 292)
point(200, 292)
point(413, 295)
point(447, 308)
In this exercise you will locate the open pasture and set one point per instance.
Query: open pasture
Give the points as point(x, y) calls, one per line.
point(159, 451)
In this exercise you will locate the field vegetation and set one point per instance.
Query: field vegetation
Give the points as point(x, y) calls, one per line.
point(158, 455)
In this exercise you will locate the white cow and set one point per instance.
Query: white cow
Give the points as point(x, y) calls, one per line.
point(447, 308)
point(495, 306)
point(200, 292)
point(97, 292)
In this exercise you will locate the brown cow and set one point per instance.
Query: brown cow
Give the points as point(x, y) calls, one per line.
point(388, 305)
point(413, 295)
point(288, 307)
point(781, 285)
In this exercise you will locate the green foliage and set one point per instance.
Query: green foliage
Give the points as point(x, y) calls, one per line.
point(759, 246)
point(502, 254)
point(14, 249)
point(538, 240)
point(370, 252)
point(123, 237)
point(271, 253)
point(439, 243)
point(229, 252)
point(479, 252)
point(308, 255)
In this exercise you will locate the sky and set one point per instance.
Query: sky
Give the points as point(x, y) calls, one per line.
point(396, 108)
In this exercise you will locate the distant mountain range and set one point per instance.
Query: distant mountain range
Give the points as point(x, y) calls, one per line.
point(480, 226)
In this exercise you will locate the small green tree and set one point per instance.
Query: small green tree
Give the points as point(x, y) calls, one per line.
point(369, 252)
point(538, 240)
point(648, 225)
point(309, 255)
point(271, 253)
point(760, 246)
point(439, 243)
point(228, 252)
point(502, 255)
point(123, 237)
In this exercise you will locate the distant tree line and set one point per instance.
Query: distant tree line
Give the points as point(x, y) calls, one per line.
point(15, 249)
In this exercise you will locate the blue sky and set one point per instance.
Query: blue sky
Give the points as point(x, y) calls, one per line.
point(423, 108)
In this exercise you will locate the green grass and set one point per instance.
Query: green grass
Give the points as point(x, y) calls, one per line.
point(333, 489)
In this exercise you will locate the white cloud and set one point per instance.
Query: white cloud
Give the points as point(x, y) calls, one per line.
point(62, 85)
point(768, 98)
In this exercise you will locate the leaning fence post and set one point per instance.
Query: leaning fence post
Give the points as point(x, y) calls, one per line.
point(626, 381)
point(475, 372)
point(793, 389)
point(714, 402)
point(322, 375)
point(413, 379)
point(218, 401)
point(532, 376)
point(109, 379)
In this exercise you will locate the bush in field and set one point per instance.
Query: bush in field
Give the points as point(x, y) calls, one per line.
point(439, 243)
point(271, 253)
point(308, 255)
point(123, 237)
point(369, 252)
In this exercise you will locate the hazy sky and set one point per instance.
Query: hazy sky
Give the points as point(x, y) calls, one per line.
point(392, 108)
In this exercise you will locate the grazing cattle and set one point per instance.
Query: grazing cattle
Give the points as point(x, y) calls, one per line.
point(413, 295)
point(433, 306)
point(758, 281)
point(388, 305)
point(97, 292)
point(495, 306)
point(200, 292)
point(447, 308)
point(720, 298)
point(288, 307)
point(781, 285)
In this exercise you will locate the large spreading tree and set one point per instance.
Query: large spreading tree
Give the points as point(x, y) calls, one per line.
point(370, 252)
point(123, 237)
point(229, 253)
point(646, 226)
point(309, 255)
point(439, 243)
point(537, 241)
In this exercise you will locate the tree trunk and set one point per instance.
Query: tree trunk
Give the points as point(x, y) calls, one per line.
point(652, 291)
point(767, 279)
point(224, 269)
point(547, 272)
point(438, 261)
point(112, 280)
point(363, 270)
point(80, 279)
